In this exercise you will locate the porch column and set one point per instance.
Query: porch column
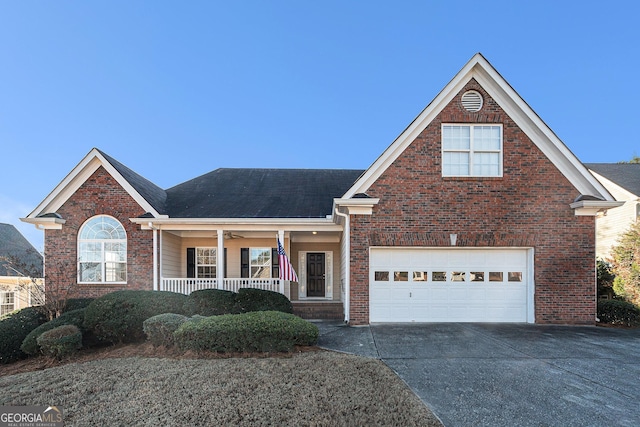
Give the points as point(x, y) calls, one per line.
point(220, 260)
point(155, 259)
point(286, 249)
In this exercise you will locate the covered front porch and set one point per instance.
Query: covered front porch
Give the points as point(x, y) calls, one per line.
point(191, 255)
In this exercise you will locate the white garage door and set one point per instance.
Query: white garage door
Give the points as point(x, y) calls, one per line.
point(449, 285)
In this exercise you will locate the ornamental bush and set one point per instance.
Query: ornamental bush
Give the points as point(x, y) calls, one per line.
point(159, 329)
point(61, 341)
point(119, 316)
point(76, 304)
point(14, 327)
point(74, 317)
point(262, 331)
point(617, 312)
point(249, 299)
point(211, 302)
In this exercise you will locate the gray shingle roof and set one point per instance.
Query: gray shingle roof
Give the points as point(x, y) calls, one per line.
point(626, 175)
point(260, 193)
point(14, 245)
point(153, 194)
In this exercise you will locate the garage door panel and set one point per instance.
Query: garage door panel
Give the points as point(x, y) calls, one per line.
point(491, 297)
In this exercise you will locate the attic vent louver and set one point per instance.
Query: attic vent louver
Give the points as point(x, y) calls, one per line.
point(472, 101)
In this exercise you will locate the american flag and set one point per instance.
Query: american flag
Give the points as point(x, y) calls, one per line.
point(286, 269)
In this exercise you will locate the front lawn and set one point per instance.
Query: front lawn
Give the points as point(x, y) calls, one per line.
point(317, 388)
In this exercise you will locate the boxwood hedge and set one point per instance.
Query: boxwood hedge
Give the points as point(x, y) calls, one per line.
point(262, 331)
point(119, 316)
point(73, 317)
point(14, 327)
point(248, 299)
point(61, 341)
point(211, 302)
point(159, 329)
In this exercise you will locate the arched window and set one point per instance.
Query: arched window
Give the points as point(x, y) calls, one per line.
point(102, 251)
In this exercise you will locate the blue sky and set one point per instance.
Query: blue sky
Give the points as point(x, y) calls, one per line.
point(174, 89)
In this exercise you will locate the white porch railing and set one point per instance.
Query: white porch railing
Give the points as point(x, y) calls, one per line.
point(188, 285)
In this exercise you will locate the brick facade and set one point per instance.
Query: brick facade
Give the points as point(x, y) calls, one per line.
point(527, 207)
point(99, 195)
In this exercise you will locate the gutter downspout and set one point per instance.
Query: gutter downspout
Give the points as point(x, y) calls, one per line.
point(155, 256)
point(347, 266)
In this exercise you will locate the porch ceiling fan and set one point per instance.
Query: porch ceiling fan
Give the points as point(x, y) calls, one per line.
point(229, 235)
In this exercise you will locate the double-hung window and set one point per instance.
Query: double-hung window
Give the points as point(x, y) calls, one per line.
point(206, 262)
point(7, 302)
point(102, 251)
point(260, 259)
point(471, 150)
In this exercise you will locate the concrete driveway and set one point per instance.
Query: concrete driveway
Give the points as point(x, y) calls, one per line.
point(508, 375)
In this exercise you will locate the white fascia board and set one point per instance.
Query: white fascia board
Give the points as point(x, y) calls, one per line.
point(362, 206)
point(592, 207)
point(78, 175)
point(249, 224)
point(45, 223)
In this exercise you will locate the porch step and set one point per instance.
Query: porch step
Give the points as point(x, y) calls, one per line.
point(318, 310)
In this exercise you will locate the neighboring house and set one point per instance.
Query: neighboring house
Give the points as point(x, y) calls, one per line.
point(20, 270)
point(477, 212)
point(622, 180)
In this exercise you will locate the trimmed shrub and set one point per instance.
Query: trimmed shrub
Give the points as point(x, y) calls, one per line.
point(61, 341)
point(617, 312)
point(159, 329)
point(262, 331)
point(14, 327)
point(76, 304)
point(249, 299)
point(211, 302)
point(119, 316)
point(74, 317)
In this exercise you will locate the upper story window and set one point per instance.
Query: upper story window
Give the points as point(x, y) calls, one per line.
point(102, 251)
point(471, 150)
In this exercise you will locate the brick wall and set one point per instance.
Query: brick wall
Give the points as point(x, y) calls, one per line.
point(99, 195)
point(527, 207)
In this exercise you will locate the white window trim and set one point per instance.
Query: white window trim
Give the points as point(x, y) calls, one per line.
point(103, 262)
point(270, 262)
point(15, 299)
point(215, 251)
point(471, 151)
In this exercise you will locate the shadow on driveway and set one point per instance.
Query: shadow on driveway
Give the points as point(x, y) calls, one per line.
point(506, 374)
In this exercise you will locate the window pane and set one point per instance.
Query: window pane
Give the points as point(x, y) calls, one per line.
point(455, 164)
point(456, 137)
point(495, 276)
point(401, 276)
point(477, 276)
point(115, 272)
point(90, 272)
point(515, 276)
point(438, 276)
point(381, 276)
point(486, 164)
point(457, 276)
point(261, 257)
point(207, 272)
point(206, 256)
point(261, 272)
point(420, 276)
point(90, 252)
point(486, 138)
point(115, 252)
point(102, 227)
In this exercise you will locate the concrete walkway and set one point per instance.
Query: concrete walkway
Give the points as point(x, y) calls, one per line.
point(507, 375)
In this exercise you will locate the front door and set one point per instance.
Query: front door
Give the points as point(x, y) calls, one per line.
point(315, 275)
